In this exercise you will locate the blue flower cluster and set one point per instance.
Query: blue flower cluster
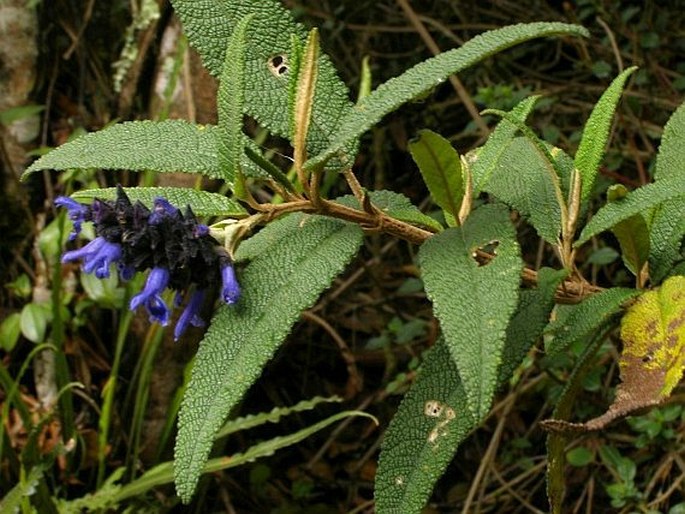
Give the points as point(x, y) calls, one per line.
point(176, 248)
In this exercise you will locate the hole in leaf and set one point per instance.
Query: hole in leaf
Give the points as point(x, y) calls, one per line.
point(433, 408)
point(648, 358)
point(278, 65)
point(484, 254)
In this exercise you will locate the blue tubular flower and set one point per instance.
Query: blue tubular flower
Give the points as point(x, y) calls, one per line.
point(96, 255)
point(190, 314)
point(99, 262)
point(78, 213)
point(230, 290)
point(156, 283)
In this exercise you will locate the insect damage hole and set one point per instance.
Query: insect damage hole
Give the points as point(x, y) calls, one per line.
point(484, 254)
point(278, 65)
point(444, 414)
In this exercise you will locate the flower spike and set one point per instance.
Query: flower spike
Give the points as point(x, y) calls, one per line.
point(174, 245)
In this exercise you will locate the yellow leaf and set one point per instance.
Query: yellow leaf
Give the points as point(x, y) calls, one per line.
point(653, 358)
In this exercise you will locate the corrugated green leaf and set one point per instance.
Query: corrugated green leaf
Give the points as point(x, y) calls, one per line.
point(208, 25)
point(433, 418)
point(637, 201)
point(231, 99)
point(161, 146)
point(424, 76)
point(529, 320)
point(668, 223)
point(440, 167)
point(298, 258)
point(203, 203)
point(474, 301)
point(165, 146)
point(522, 179)
point(596, 132)
point(431, 422)
point(485, 160)
point(589, 316)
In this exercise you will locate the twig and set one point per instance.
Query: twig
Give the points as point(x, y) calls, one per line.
point(612, 41)
point(435, 50)
point(354, 381)
point(487, 458)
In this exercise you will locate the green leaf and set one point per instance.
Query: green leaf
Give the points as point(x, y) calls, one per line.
point(632, 234)
point(431, 422)
point(424, 76)
point(474, 301)
point(165, 146)
point(529, 320)
point(164, 473)
point(440, 167)
point(668, 223)
point(558, 438)
point(273, 416)
point(10, 330)
point(589, 316)
point(34, 321)
point(231, 100)
point(208, 25)
point(203, 203)
point(294, 260)
point(635, 202)
point(579, 457)
point(596, 132)
point(14, 498)
point(102, 500)
point(485, 160)
point(523, 180)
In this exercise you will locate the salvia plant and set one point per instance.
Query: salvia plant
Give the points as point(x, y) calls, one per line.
point(265, 262)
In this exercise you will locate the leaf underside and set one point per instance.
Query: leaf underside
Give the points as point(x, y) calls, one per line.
point(485, 160)
point(472, 300)
point(294, 260)
point(522, 180)
point(440, 167)
point(230, 101)
point(637, 201)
